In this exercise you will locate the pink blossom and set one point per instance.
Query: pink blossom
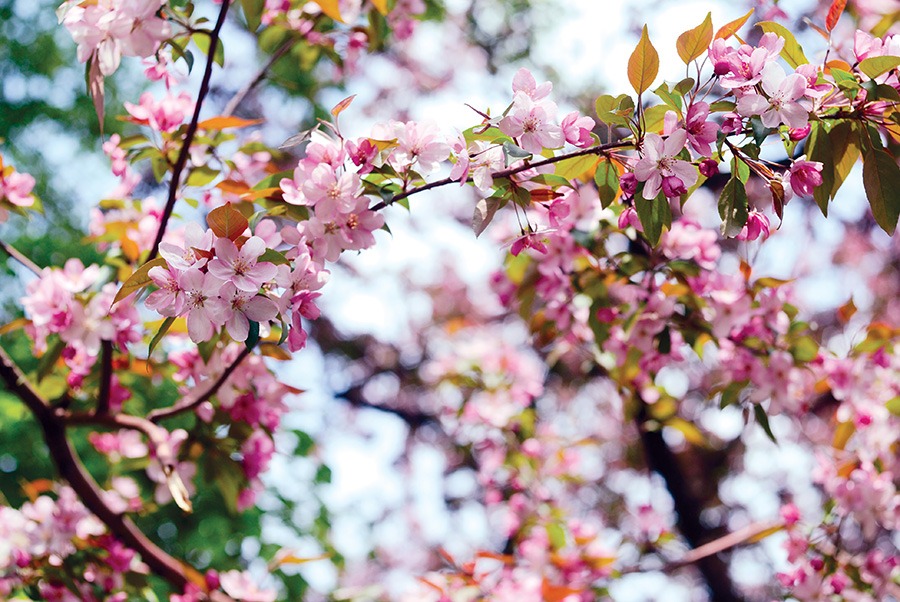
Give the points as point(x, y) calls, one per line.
point(169, 298)
point(242, 266)
point(240, 586)
point(524, 82)
point(164, 115)
point(805, 176)
point(529, 240)
point(743, 67)
point(329, 193)
point(419, 144)
point(757, 225)
point(700, 132)
point(206, 311)
point(532, 124)
point(660, 168)
point(16, 188)
point(243, 307)
point(577, 129)
point(781, 106)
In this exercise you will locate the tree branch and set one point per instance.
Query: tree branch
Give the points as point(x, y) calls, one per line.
point(70, 468)
point(20, 257)
point(189, 403)
point(106, 374)
point(184, 153)
point(662, 460)
point(594, 150)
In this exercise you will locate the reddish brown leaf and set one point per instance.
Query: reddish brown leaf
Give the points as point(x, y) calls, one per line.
point(834, 13)
point(226, 222)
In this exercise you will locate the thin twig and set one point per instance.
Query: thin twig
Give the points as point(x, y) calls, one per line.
point(594, 150)
point(189, 403)
point(184, 153)
point(20, 257)
point(749, 534)
point(238, 98)
point(106, 374)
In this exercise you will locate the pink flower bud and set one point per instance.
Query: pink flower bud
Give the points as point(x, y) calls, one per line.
point(797, 134)
point(628, 183)
point(709, 167)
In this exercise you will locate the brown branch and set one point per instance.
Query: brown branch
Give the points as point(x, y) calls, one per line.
point(106, 374)
point(184, 153)
point(20, 257)
point(70, 468)
point(241, 94)
point(594, 150)
point(191, 402)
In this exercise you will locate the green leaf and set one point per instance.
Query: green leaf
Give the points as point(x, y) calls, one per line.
point(274, 180)
point(201, 176)
point(694, 42)
point(792, 53)
point(844, 142)
point(139, 279)
point(805, 349)
point(893, 406)
point(671, 98)
point(763, 421)
point(881, 179)
point(273, 256)
point(48, 360)
point(253, 12)
point(643, 64)
point(202, 40)
point(733, 208)
point(513, 153)
point(614, 110)
point(253, 336)
point(654, 117)
point(163, 329)
point(653, 215)
point(577, 168)
point(817, 149)
point(878, 65)
point(607, 179)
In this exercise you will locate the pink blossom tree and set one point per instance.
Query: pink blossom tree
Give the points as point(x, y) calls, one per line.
point(579, 401)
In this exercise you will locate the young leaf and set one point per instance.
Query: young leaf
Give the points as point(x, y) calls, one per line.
point(381, 6)
point(733, 208)
point(330, 8)
point(253, 12)
point(694, 42)
point(138, 280)
point(485, 209)
point(222, 122)
point(731, 28)
point(339, 107)
point(818, 149)
point(881, 179)
point(763, 421)
point(643, 65)
point(226, 222)
point(834, 13)
point(792, 53)
point(95, 88)
point(163, 329)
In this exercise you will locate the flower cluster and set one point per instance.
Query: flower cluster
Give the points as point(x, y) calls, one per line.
point(105, 31)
